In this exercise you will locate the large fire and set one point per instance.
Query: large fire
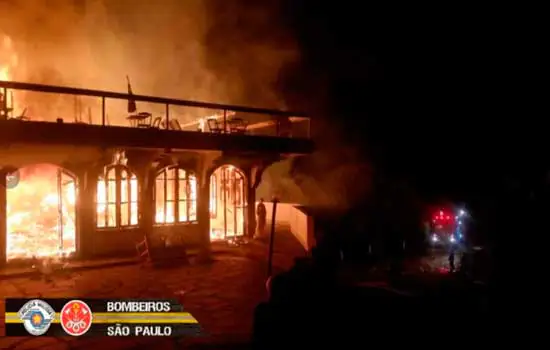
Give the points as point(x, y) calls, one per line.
point(41, 213)
point(176, 200)
point(41, 207)
point(8, 62)
point(8, 57)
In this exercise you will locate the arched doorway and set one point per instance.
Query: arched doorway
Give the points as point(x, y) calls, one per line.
point(227, 203)
point(41, 213)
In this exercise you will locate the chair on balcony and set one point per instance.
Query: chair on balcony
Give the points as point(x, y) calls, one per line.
point(22, 116)
point(156, 123)
point(140, 120)
point(214, 126)
point(237, 126)
point(175, 125)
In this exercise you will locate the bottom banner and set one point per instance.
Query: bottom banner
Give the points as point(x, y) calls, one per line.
point(114, 330)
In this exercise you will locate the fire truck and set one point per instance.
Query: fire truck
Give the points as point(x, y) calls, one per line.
point(446, 227)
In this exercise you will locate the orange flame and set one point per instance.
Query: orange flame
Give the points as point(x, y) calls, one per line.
point(8, 63)
point(41, 217)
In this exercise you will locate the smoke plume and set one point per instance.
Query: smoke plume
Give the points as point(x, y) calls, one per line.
point(236, 52)
point(95, 44)
point(277, 67)
point(168, 48)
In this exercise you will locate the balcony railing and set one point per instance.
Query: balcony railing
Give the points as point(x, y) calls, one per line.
point(46, 103)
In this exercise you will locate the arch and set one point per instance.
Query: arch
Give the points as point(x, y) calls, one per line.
point(227, 202)
point(41, 212)
point(117, 196)
point(175, 195)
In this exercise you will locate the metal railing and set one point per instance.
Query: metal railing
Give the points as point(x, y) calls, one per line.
point(272, 120)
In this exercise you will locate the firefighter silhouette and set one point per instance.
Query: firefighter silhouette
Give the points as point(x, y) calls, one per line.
point(261, 214)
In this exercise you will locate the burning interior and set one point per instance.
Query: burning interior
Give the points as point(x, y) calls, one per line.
point(175, 196)
point(41, 209)
point(41, 213)
point(117, 198)
point(227, 203)
point(42, 206)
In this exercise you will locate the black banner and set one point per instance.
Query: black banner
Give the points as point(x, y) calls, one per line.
point(108, 317)
point(115, 330)
point(100, 305)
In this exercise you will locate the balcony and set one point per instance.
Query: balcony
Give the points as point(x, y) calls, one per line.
point(53, 114)
point(45, 103)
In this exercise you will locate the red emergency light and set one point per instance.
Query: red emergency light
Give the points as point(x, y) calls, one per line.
point(442, 216)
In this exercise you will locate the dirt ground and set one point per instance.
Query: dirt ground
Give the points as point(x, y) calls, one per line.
point(221, 295)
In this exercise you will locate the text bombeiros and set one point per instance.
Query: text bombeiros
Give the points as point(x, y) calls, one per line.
point(138, 306)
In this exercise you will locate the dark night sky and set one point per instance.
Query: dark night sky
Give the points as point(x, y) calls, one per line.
point(417, 88)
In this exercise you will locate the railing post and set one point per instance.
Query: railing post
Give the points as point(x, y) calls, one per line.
point(4, 105)
point(272, 238)
point(103, 110)
point(167, 116)
point(224, 121)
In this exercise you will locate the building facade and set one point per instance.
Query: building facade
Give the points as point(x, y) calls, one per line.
point(116, 186)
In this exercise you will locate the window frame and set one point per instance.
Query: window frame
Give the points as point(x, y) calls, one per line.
point(173, 173)
point(213, 200)
point(118, 202)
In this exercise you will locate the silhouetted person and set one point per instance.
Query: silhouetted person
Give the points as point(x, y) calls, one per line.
point(452, 260)
point(261, 215)
point(296, 310)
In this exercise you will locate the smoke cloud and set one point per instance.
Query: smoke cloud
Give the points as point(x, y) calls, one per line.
point(236, 52)
point(198, 50)
point(249, 48)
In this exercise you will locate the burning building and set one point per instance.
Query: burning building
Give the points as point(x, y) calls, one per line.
point(180, 173)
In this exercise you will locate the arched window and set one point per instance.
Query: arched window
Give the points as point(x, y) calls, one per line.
point(175, 196)
point(117, 198)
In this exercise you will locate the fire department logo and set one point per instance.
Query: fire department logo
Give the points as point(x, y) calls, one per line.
point(37, 316)
point(76, 318)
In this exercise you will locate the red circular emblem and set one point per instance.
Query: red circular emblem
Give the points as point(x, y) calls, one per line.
point(76, 318)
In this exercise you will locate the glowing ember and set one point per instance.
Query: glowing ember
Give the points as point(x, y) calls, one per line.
point(41, 213)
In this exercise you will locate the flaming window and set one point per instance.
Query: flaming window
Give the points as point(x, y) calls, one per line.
point(175, 196)
point(227, 203)
point(41, 213)
point(117, 198)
